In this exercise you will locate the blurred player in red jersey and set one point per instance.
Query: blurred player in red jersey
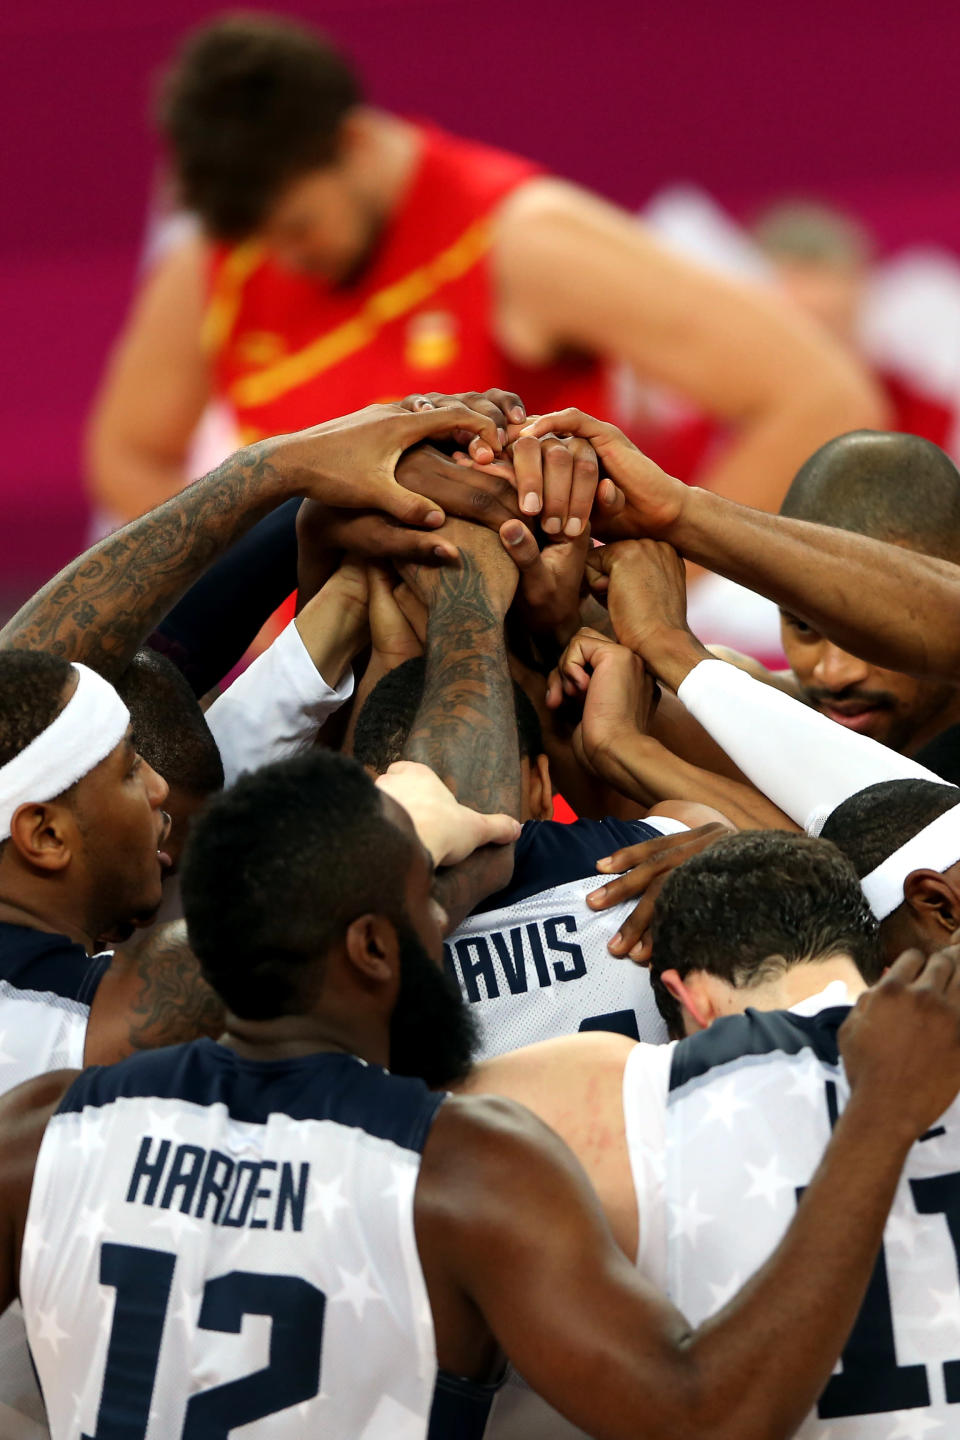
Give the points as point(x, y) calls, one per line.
point(349, 254)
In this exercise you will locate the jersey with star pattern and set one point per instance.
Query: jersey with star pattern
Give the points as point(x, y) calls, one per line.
point(229, 1245)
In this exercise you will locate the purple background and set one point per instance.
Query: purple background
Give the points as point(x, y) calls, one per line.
point(855, 102)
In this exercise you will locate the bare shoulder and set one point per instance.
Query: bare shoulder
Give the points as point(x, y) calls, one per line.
point(552, 1066)
point(24, 1112)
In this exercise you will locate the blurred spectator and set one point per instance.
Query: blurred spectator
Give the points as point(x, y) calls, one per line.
point(348, 255)
point(902, 316)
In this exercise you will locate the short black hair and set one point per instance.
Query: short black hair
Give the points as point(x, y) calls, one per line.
point(809, 232)
point(251, 103)
point(277, 868)
point(876, 821)
point(753, 905)
point(31, 696)
point(385, 722)
point(884, 484)
point(169, 728)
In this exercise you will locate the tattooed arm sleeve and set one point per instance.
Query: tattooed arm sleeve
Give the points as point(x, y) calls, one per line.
point(466, 726)
point(103, 605)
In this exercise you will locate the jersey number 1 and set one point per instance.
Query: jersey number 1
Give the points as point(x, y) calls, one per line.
point(142, 1280)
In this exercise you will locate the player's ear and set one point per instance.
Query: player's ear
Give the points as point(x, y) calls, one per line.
point(932, 900)
point(690, 994)
point(373, 949)
point(42, 835)
point(541, 789)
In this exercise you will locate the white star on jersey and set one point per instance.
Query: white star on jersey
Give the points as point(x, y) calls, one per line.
point(913, 1425)
point(48, 1329)
point(33, 1245)
point(91, 1223)
point(326, 1197)
point(687, 1219)
point(722, 1293)
point(356, 1289)
point(766, 1181)
point(723, 1104)
point(175, 1222)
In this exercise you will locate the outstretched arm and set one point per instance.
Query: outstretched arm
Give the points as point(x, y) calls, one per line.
point(466, 726)
point(576, 1318)
point(102, 606)
point(829, 578)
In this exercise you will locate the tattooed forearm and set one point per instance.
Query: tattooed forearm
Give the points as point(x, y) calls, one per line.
point(102, 606)
point(466, 727)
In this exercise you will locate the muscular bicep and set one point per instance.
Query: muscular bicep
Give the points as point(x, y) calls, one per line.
point(156, 384)
point(152, 995)
point(514, 1221)
point(576, 271)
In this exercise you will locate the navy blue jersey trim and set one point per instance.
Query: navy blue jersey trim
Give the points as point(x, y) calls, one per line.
point(549, 854)
point(758, 1032)
point(461, 1408)
point(314, 1087)
point(53, 964)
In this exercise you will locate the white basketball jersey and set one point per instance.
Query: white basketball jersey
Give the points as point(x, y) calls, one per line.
point(725, 1131)
point(47, 985)
point(533, 963)
point(217, 1246)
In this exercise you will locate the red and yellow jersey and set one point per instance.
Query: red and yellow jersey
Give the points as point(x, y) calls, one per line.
point(289, 350)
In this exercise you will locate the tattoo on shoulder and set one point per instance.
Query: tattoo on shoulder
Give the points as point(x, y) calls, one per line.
point(173, 1002)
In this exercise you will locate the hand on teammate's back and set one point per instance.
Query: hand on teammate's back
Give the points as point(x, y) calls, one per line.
point(641, 871)
point(901, 1041)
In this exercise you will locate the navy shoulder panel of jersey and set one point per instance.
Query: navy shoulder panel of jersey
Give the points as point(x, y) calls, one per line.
point(758, 1032)
point(550, 854)
point(36, 960)
point(323, 1086)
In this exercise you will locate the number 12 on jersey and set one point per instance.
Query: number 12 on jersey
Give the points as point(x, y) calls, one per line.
point(142, 1280)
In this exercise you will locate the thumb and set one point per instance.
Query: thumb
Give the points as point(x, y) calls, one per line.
point(408, 507)
point(446, 420)
point(496, 829)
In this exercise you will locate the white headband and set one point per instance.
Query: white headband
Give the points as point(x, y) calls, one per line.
point(935, 847)
point(90, 725)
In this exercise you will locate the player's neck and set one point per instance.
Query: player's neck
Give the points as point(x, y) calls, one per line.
point(389, 157)
point(291, 1037)
point(801, 982)
point(47, 915)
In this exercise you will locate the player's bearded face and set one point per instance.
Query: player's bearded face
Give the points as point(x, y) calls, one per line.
point(432, 1032)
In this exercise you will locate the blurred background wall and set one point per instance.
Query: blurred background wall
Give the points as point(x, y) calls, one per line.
point(853, 102)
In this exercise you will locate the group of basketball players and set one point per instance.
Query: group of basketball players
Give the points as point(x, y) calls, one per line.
point(641, 1125)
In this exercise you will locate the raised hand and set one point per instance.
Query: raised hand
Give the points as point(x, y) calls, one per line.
point(901, 1041)
point(484, 577)
point(649, 502)
point(350, 462)
point(551, 580)
point(449, 830)
point(503, 407)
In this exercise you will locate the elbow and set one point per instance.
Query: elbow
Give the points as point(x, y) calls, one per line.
point(843, 398)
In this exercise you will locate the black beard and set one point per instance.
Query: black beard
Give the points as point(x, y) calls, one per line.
point(433, 1035)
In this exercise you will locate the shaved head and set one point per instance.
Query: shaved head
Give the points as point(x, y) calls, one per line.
point(883, 484)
